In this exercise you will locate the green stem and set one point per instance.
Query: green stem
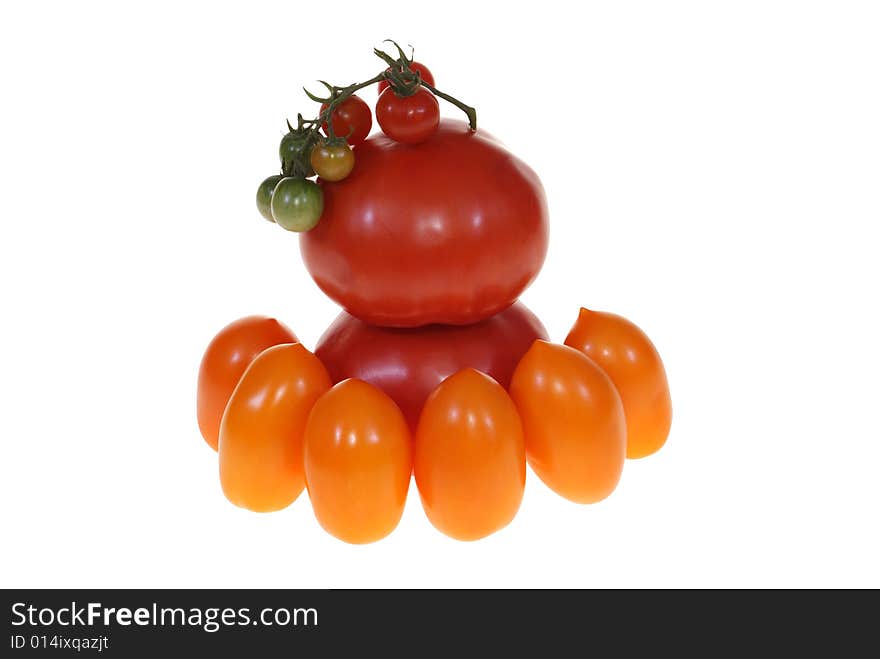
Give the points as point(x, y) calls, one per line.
point(324, 117)
point(467, 109)
point(402, 80)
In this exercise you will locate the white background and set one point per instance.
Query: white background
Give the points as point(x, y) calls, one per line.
point(713, 173)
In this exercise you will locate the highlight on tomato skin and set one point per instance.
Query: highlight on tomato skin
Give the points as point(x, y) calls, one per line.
point(261, 434)
point(358, 462)
point(573, 421)
point(225, 360)
point(469, 457)
point(632, 362)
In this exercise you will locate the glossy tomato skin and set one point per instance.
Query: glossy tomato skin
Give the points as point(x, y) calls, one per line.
point(296, 204)
point(358, 462)
point(632, 362)
point(422, 70)
point(261, 434)
point(469, 457)
point(351, 119)
point(450, 231)
point(224, 362)
point(332, 162)
point(573, 422)
point(408, 364)
point(408, 119)
point(264, 196)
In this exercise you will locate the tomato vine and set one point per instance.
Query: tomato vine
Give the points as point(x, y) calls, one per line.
point(293, 201)
point(400, 76)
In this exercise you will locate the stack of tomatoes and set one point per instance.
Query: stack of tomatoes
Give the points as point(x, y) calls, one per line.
point(433, 368)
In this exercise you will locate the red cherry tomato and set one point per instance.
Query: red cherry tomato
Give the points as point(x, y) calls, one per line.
point(469, 457)
point(261, 434)
point(351, 119)
point(423, 71)
point(573, 421)
point(629, 358)
point(450, 232)
point(357, 461)
point(408, 119)
point(227, 356)
point(408, 364)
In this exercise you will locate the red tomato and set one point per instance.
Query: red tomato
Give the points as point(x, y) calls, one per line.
point(357, 461)
point(261, 435)
point(408, 364)
point(449, 232)
point(408, 119)
point(469, 457)
point(573, 422)
point(227, 356)
point(423, 71)
point(352, 119)
point(629, 358)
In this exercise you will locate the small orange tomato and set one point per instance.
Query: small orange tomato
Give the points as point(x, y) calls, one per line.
point(629, 358)
point(261, 435)
point(332, 162)
point(358, 462)
point(469, 456)
point(227, 356)
point(573, 421)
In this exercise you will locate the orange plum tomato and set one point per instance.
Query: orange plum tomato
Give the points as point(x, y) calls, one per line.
point(261, 434)
point(358, 462)
point(629, 358)
point(470, 457)
point(224, 362)
point(573, 422)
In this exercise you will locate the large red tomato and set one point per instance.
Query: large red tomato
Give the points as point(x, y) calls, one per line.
point(408, 364)
point(448, 231)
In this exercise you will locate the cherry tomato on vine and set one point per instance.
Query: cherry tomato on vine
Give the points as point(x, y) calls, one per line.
point(469, 457)
point(226, 358)
point(408, 364)
point(264, 196)
point(332, 162)
point(573, 421)
point(408, 119)
point(451, 232)
point(418, 67)
point(297, 204)
point(351, 119)
point(295, 147)
point(629, 358)
point(358, 462)
point(261, 434)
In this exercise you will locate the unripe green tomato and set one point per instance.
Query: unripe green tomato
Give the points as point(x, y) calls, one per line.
point(297, 204)
point(296, 148)
point(264, 196)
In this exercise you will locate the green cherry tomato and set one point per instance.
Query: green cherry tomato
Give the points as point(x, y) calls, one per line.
point(264, 196)
point(295, 147)
point(297, 204)
point(332, 162)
